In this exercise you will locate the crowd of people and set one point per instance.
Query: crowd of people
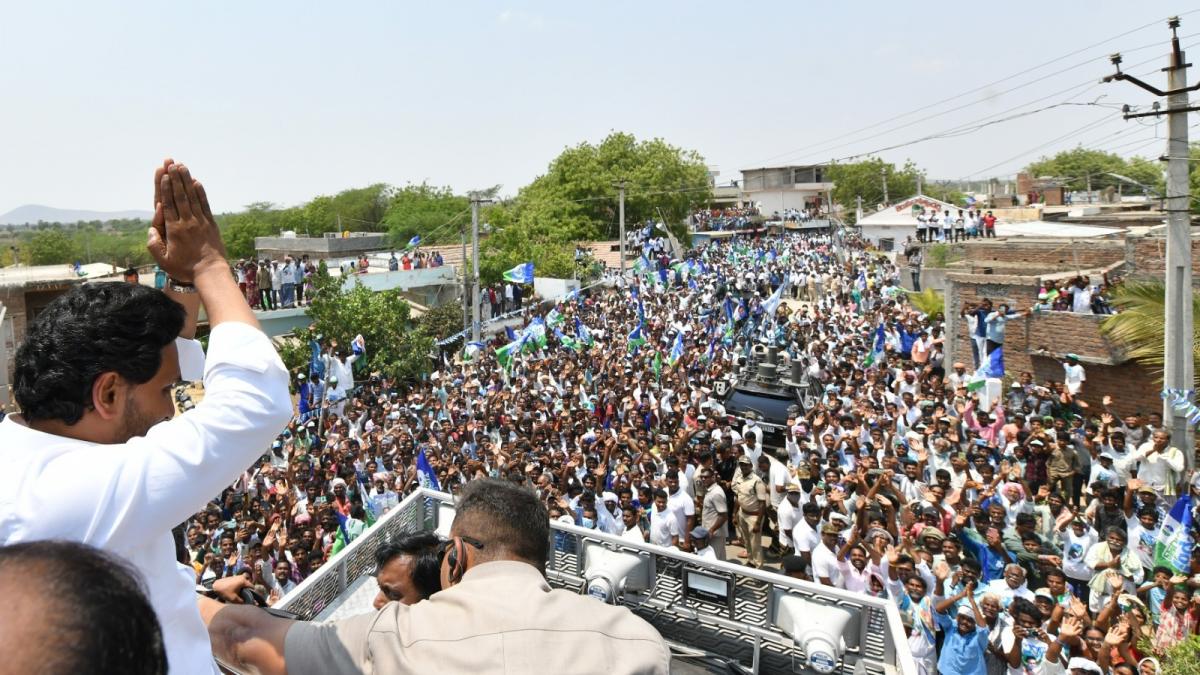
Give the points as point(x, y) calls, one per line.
point(954, 227)
point(1015, 534)
point(274, 284)
point(413, 260)
point(714, 220)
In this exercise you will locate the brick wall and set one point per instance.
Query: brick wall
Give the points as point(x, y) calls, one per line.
point(1062, 332)
point(1148, 256)
point(1132, 386)
point(1050, 255)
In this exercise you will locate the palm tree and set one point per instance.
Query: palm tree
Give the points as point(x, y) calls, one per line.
point(929, 302)
point(1141, 323)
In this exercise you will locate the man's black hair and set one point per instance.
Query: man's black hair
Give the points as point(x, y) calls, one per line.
point(425, 548)
point(1023, 606)
point(505, 518)
point(98, 617)
point(91, 330)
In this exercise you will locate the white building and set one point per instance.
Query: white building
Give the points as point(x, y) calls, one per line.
point(775, 189)
point(888, 227)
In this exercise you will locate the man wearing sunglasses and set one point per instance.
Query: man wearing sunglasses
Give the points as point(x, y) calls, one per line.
point(495, 613)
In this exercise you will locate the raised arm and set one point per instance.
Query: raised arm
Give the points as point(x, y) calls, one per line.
point(154, 482)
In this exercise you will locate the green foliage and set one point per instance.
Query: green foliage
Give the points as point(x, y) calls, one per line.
point(929, 301)
point(865, 179)
point(426, 211)
point(1076, 165)
point(1183, 658)
point(443, 321)
point(359, 209)
point(575, 200)
point(940, 255)
point(50, 247)
point(395, 346)
point(1141, 322)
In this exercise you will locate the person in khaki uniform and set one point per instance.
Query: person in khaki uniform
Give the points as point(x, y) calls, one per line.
point(751, 495)
point(716, 512)
point(1061, 466)
point(496, 613)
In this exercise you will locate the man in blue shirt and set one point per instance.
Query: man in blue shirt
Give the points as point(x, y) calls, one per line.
point(966, 639)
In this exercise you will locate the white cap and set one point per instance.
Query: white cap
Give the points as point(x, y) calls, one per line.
point(1080, 663)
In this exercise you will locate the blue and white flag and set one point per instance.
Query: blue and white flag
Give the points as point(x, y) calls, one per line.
point(772, 304)
point(676, 350)
point(992, 367)
point(521, 274)
point(316, 366)
point(414, 242)
point(1175, 540)
point(425, 473)
point(876, 354)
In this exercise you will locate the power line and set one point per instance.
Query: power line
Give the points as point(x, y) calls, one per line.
point(982, 88)
point(1087, 127)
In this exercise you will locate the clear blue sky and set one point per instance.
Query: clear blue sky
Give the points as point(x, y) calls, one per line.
point(281, 101)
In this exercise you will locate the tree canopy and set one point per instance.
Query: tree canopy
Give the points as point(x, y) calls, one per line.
point(1075, 166)
point(576, 200)
point(396, 346)
point(865, 179)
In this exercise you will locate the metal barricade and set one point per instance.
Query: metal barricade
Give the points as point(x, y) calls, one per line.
point(720, 609)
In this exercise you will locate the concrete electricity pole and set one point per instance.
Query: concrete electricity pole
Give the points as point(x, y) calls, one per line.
point(620, 185)
point(475, 202)
point(462, 230)
point(1179, 369)
point(883, 173)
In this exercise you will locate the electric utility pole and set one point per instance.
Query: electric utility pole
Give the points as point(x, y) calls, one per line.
point(462, 230)
point(620, 185)
point(883, 173)
point(1179, 371)
point(475, 202)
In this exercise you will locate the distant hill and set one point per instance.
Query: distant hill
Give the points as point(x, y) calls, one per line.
point(33, 213)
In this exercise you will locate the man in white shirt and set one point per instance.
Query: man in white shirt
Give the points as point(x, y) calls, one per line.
point(664, 528)
point(681, 505)
point(633, 530)
point(791, 512)
point(95, 456)
point(1074, 374)
point(1160, 465)
point(824, 557)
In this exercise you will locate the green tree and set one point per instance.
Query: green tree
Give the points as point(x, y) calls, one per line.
point(443, 321)
point(865, 179)
point(424, 210)
point(52, 247)
point(1141, 322)
point(1080, 167)
point(396, 346)
point(575, 200)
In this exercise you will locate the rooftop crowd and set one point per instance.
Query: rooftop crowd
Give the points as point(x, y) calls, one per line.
point(1015, 535)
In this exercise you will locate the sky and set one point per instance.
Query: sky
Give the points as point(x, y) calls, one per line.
point(283, 101)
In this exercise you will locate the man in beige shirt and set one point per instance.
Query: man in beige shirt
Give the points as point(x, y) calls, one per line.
point(751, 495)
point(497, 614)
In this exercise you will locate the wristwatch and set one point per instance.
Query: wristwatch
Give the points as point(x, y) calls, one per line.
point(178, 286)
